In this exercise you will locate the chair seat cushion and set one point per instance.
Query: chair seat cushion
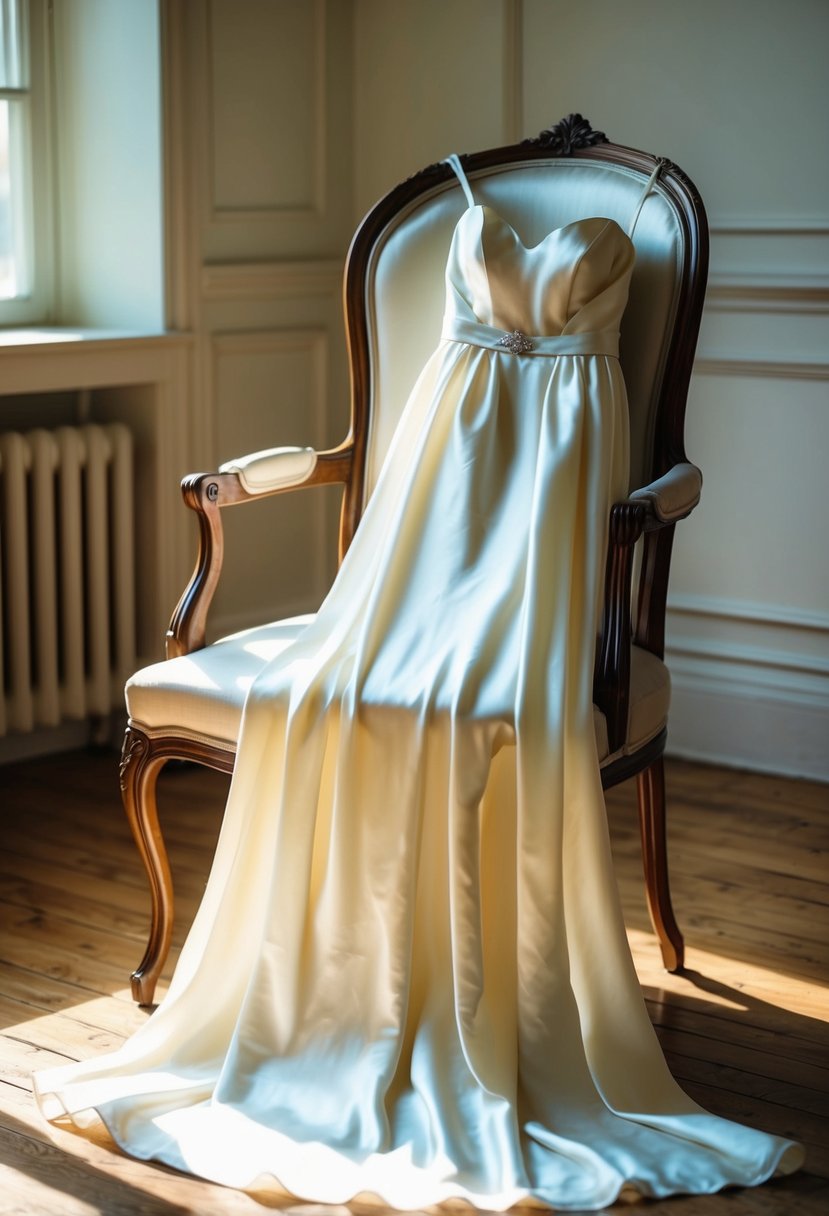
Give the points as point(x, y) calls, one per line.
point(200, 696)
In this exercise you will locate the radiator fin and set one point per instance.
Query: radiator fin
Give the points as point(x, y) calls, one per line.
point(67, 574)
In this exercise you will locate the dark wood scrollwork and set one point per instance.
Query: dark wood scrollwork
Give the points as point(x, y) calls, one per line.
point(568, 135)
point(668, 166)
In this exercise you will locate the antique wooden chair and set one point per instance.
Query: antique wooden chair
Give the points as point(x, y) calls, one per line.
point(189, 707)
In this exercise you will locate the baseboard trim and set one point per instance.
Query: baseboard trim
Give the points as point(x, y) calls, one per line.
point(743, 724)
point(106, 732)
point(750, 685)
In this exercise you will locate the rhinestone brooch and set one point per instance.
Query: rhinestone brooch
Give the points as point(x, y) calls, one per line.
point(516, 342)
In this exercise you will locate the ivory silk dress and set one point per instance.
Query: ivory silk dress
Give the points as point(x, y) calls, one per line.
point(409, 974)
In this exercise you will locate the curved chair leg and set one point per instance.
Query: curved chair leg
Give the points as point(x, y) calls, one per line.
point(651, 787)
point(139, 774)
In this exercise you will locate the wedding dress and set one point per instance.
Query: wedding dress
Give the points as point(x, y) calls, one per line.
point(409, 974)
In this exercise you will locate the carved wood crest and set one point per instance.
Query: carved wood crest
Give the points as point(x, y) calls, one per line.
point(568, 135)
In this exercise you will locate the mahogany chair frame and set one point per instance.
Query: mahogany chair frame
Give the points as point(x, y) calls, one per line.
point(207, 494)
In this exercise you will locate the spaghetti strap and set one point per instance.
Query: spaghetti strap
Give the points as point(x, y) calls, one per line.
point(454, 163)
point(648, 187)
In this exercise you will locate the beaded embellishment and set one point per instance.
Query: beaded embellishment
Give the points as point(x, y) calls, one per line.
point(516, 342)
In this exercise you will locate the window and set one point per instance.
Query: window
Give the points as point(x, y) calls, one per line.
point(25, 245)
point(14, 106)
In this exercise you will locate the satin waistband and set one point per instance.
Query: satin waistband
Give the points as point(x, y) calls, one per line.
point(475, 333)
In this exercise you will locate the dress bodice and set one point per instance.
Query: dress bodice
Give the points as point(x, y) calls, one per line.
point(575, 281)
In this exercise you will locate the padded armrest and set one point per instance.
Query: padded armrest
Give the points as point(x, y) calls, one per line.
point(261, 472)
point(674, 495)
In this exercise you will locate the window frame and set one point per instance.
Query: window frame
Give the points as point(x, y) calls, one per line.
point(37, 304)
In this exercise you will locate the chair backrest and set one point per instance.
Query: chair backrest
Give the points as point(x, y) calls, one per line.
point(395, 281)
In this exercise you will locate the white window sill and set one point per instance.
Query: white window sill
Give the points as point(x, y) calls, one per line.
point(61, 335)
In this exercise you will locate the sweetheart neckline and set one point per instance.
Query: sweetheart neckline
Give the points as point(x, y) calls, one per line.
point(482, 207)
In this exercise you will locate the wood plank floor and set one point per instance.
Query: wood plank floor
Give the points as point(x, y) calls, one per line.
point(746, 1029)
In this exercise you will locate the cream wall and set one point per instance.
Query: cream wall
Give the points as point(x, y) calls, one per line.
point(286, 119)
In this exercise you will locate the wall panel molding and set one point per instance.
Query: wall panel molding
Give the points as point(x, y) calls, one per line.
point(779, 648)
point(751, 684)
point(230, 344)
point(746, 610)
point(315, 537)
point(806, 294)
point(271, 280)
point(769, 225)
point(728, 364)
point(802, 675)
point(753, 715)
point(316, 100)
point(775, 265)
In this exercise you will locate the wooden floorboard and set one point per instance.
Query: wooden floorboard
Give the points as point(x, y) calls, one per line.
point(745, 1028)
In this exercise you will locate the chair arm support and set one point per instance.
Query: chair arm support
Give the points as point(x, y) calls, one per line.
point(611, 677)
point(653, 508)
point(246, 479)
point(672, 496)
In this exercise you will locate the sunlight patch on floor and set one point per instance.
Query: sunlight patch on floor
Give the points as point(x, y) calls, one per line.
point(83, 1030)
point(730, 983)
point(39, 1196)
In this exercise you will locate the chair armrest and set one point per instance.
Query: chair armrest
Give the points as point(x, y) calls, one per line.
point(672, 496)
point(274, 469)
point(245, 479)
point(654, 508)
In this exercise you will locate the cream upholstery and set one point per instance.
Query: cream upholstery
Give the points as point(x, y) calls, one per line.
point(405, 290)
point(675, 495)
point(201, 695)
point(276, 468)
